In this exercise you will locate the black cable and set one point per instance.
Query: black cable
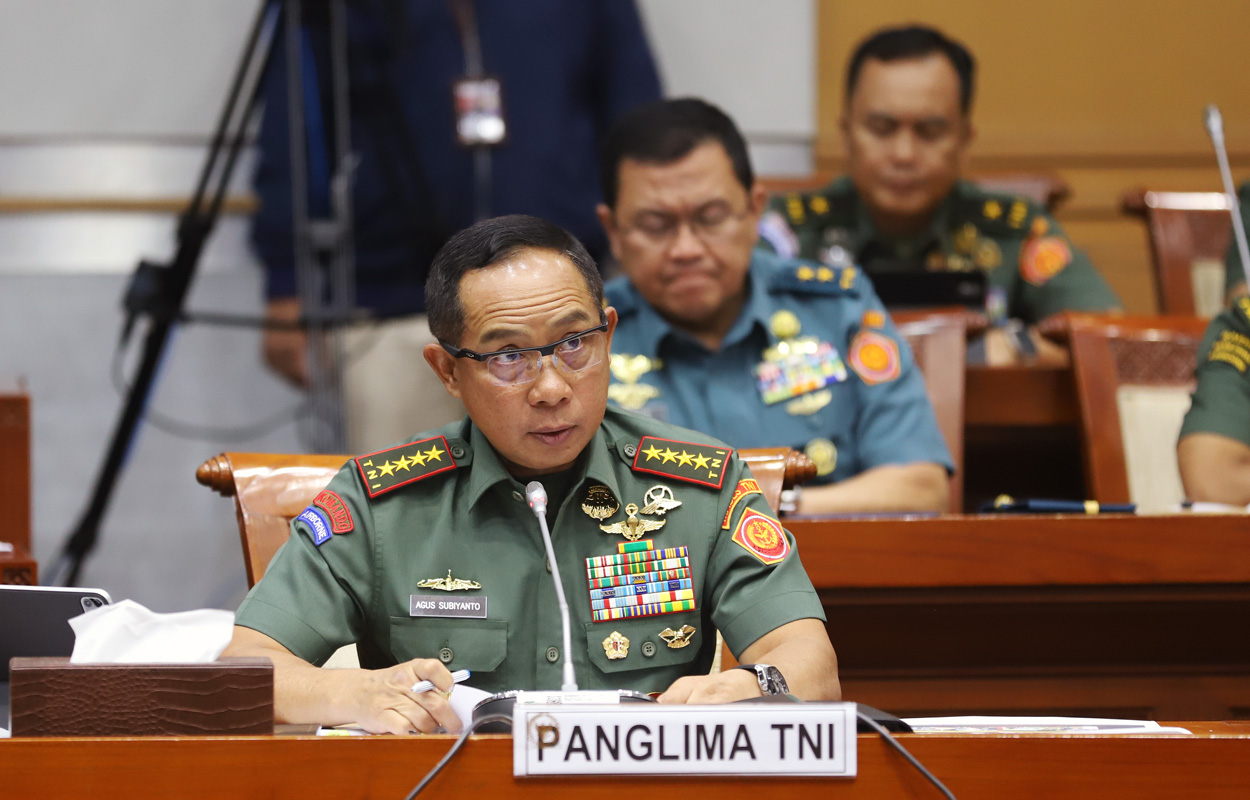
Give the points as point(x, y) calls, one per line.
point(455, 748)
point(872, 723)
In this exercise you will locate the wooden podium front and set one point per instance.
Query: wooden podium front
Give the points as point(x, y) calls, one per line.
point(1209, 764)
point(18, 566)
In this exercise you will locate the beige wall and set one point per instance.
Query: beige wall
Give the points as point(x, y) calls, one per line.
point(1106, 94)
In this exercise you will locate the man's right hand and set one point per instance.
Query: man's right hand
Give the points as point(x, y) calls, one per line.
point(286, 350)
point(385, 702)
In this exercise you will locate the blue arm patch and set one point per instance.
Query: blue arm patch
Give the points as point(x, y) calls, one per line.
point(317, 522)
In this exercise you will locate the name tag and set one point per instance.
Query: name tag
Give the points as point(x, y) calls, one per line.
point(766, 739)
point(429, 605)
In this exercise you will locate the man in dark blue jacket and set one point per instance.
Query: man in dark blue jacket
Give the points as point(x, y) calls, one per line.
point(567, 69)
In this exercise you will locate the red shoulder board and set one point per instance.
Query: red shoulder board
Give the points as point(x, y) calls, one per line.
point(390, 469)
point(336, 510)
point(695, 463)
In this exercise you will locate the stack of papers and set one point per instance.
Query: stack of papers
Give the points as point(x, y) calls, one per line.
point(1038, 725)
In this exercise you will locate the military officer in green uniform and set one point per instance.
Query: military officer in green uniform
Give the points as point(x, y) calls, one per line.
point(902, 207)
point(748, 347)
point(1214, 447)
point(427, 555)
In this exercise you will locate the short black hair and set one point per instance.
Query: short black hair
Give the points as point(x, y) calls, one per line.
point(485, 244)
point(666, 131)
point(911, 42)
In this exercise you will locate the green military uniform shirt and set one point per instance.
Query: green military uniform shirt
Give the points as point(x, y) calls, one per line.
point(1221, 402)
point(443, 509)
point(1031, 264)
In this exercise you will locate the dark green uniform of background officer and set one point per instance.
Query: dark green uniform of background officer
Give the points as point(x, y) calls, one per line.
point(906, 129)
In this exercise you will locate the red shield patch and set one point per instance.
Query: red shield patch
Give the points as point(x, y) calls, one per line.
point(336, 510)
point(762, 536)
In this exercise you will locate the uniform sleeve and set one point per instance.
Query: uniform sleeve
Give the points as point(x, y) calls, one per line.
point(895, 423)
point(758, 582)
point(1221, 402)
point(313, 597)
point(1234, 270)
point(1057, 276)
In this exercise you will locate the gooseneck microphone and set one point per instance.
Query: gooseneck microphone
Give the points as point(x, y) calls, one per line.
point(1215, 128)
point(536, 496)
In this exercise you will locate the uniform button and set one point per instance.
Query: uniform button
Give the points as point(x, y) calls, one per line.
point(457, 451)
point(517, 496)
point(547, 564)
point(446, 655)
point(553, 654)
point(630, 450)
point(648, 649)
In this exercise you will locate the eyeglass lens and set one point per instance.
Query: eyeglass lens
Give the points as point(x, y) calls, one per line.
point(523, 366)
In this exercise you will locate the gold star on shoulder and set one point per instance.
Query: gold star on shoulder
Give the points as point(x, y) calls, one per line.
point(402, 463)
point(684, 459)
point(387, 469)
point(652, 452)
point(434, 454)
point(701, 461)
point(418, 458)
point(633, 528)
point(669, 455)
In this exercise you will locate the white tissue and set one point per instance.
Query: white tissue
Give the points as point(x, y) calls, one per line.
point(128, 633)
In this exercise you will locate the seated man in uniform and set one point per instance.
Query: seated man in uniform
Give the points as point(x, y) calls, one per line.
point(743, 345)
point(516, 304)
point(1214, 447)
point(902, 206)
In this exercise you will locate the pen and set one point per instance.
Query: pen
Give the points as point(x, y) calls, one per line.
point(459, 676)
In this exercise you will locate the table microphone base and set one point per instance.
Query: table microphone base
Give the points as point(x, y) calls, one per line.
point(503, 703)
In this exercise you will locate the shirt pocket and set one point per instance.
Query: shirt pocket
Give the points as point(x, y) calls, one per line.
point(646, 648)
point(476, 645)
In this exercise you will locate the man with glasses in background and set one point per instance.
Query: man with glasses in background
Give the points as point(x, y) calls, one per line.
point(428, 557)
point(744, 345)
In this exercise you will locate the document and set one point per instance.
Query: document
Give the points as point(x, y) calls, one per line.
point(976, 724)
point(463, 699)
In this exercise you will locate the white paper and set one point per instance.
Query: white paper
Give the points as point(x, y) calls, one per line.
point(128, 633)
point(984, 724)
point(463, 699)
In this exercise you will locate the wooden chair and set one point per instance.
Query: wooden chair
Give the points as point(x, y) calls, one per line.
point(938, 340)
point(270, 490)
point(1189, 233)
point(1133, 380)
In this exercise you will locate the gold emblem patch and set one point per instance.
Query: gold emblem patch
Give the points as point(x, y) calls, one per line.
point(660, 501)
point(627, 369)
point(615, 646)
point(824, 453)
point(677, 639)
point(448, 584)
point(784, 324)
point(633, 528)
point(599, 503)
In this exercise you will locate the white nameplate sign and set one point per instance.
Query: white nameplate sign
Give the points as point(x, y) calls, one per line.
point(739, 739)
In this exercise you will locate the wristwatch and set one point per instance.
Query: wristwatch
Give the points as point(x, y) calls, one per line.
point(771, 681)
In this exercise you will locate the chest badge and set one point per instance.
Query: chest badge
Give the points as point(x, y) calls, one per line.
point(677, 639)
point(633, 528)
point(660, 501)
point(616, 646)
point(599, 503)
point(448, 584)
point(625, 390)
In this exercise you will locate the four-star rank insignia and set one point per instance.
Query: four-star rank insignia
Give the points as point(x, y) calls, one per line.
point(399, 466)
point(685, 461)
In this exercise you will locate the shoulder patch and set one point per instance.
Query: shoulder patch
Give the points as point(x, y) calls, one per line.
point(811, 278)
point(745, 488)
point(399, 466)
point(336, 510)
point(685, 461)
point(1042, 258)
point(762, 536)
point(777, 234)
point(1243, 305)
point(1232, 348)
point(317, 523)
point(874, 357)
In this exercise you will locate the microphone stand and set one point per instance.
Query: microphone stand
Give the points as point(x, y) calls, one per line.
point(1215, 128)
point(159, 291)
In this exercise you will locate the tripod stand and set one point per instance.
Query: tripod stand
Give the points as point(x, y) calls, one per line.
point(159, 291)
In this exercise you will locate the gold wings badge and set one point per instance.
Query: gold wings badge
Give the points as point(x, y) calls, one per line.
point(448, 584)
point(633, 528)
point(660, 500)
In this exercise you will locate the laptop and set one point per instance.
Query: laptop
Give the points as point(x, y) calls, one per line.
point(34, 621)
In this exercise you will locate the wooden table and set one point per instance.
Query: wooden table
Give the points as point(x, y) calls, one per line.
point(1210, 765)
point(1106, 615)
point(16, 567)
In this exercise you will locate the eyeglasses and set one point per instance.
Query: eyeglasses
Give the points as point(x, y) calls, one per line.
point(521, 365)
point(712, 224)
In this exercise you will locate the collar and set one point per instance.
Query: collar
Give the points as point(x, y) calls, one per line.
point(488, 470)
point(864, 232)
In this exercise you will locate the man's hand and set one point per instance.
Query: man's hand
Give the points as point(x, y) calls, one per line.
point(385, 701)
point(286, 351)
point(380, 700)
point(723, 687)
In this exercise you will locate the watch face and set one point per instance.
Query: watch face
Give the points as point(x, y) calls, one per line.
point(771, 681)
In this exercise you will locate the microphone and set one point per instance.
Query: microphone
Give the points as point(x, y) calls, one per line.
point(536, 496)
point(1215, 129)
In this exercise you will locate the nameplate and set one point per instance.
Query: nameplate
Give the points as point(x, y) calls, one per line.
point(429, 605)
point(737, 739)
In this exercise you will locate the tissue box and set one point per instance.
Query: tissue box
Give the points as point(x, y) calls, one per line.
point(52, 697)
